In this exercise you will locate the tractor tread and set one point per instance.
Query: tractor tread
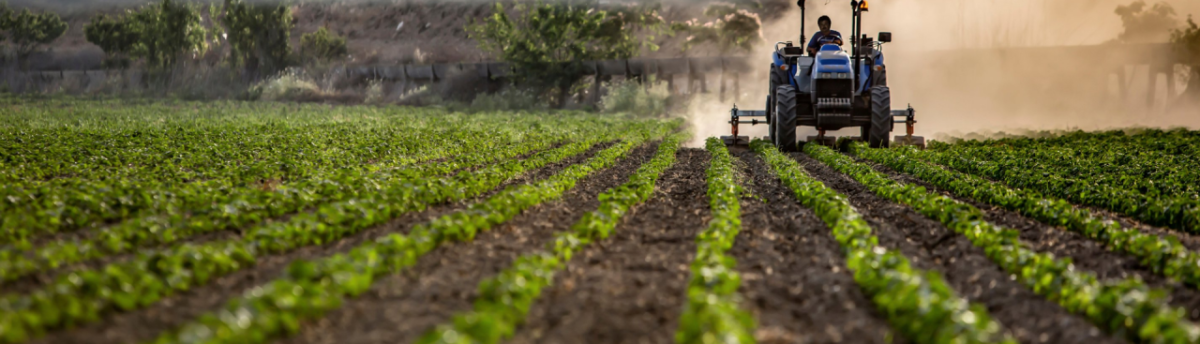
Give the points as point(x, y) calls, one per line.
point(881, 117)
point(785, 118)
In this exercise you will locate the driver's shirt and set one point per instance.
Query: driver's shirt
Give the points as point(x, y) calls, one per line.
point(820, 39)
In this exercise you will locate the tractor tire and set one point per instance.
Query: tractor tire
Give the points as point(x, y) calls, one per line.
point(881, 117)
point(785, 118)
point(770, 120)
point(775, 79)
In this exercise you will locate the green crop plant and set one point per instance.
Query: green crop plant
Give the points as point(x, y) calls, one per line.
point(1126, 308)
point(919, 304)
point(505, 299)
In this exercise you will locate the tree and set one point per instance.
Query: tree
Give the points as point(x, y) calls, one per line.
point(732, 29)
point(28, 31)
point(258, 34)
point(116, 36)
point(1146, 24)
point(1186, 44)
point(546, 43)
point(159, 33)
point(322, 45)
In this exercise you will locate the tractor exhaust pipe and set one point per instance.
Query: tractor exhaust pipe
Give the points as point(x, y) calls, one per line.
point(802, 18)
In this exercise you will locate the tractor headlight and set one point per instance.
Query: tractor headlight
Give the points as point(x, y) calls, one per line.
point(826, 75)
point(843, 75)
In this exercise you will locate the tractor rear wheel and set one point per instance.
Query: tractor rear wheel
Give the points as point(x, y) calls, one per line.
point(881, 117)
point(785, 118)
point(771, 116)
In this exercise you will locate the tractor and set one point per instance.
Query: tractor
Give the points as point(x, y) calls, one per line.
point(832, 90)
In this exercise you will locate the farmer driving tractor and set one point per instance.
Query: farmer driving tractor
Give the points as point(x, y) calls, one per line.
point(823, 37)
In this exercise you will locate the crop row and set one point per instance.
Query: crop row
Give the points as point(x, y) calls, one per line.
point(504, 300)
point(310, 289)
point(1175, 212)
point(712, 313)
point(1126, 308)
point(1174, 141)
point(1134, 167)
point(1164, 255)
point(87, 295)
point(77, 203)
point(240, 210)
point(919, 304)
point(199, 149)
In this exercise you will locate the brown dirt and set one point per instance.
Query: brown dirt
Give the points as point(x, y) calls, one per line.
point(794, 276)
point(171, 312)
point(1086, 254)
point(630, 288)
point(402, 307)
point(932, 246)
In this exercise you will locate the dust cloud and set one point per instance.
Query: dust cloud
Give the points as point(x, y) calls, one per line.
point(989, 66)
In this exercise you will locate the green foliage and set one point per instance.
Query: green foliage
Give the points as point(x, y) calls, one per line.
point(1165, 255)
point(732, 29)
point(322, 45)
point(320, 286)
point(630, 97)
point(116, 36)
point(505, 299)
point(259, 34)
point(711, 314)
point(1125, 308)
point(1149, 176)
point(374, 173)
point(546, 43)
point(159, 33)
point(1146, 24)
point(1186, 43)
point(27, 30)
point(918, 304)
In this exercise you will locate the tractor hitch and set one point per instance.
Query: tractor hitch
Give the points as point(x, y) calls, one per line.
point(736, 119)
point(909, 122)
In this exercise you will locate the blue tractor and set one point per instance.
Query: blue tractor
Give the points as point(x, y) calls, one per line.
point(832, 90)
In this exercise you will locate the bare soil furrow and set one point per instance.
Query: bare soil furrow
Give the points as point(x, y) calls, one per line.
point(169, 313)
point(931, 246)
point(1087, 254)
point(794, 276)
point(400, 308)
point(631, 287)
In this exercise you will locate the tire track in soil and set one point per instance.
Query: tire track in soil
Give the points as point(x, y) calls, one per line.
point(1086, 254)
point(400, 308)
point(794, 275)
point(631, 287)
point(929, 245)
point(145, 324)
point(42, 278)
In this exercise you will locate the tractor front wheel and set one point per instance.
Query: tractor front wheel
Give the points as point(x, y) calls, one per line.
point(785, 118)
point(881, 117)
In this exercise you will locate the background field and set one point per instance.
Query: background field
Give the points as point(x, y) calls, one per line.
point(238, 222)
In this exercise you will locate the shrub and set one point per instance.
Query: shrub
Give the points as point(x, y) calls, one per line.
point(322, 45)
point(630, 97)
point(289, 85)
point(546, 43)
point(1186, 43)
point(258, 35)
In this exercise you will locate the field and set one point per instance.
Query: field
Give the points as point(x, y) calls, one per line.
point(232, 222)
